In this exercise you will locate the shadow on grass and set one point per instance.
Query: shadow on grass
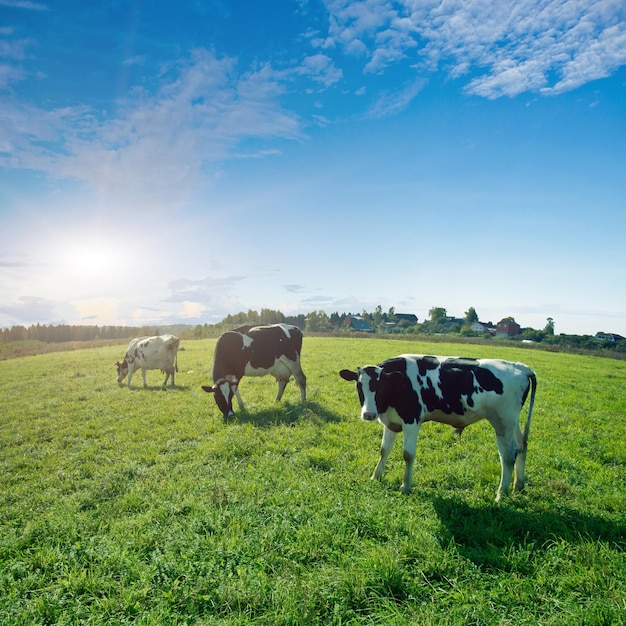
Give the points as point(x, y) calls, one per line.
point(286, 414)
point(152, 388)
point(486, 534)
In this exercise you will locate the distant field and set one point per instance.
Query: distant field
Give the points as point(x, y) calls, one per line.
point(141, 506)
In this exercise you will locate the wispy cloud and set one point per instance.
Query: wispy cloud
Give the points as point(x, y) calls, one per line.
point(153, 150)
point(390, 103)
point(294, 288)
point(24, 4)
point(26, 309)
point(321, 69)
point(505, 48)
point(152, 154)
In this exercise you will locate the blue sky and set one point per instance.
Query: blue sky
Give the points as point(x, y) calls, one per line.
point(175, 162)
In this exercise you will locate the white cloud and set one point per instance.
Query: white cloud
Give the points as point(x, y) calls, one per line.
point(151, 155)
point(24, 4)
point(322, 69)
point(29, 309)
point(514, 46)
point(390, 103)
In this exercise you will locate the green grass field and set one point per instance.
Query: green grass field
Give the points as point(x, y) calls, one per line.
point(138, 506)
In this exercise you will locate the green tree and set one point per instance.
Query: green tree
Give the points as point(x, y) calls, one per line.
point(317, 322)
point(377, 318)
point(549, 327)
point(438, 315)
point(470, 316)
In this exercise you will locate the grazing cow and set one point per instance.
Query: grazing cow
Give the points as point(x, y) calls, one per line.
point(407, 390)
point(150, 353)
point(255, 351)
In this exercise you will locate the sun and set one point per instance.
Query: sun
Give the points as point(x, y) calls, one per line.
point(93, 260)
point(89, 257)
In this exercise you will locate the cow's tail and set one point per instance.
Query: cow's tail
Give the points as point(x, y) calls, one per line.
point(532, 377)
point(176, 362)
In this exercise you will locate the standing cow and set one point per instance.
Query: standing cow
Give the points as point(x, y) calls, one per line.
point(150, 353)
point(255, 351)
point(405, 391)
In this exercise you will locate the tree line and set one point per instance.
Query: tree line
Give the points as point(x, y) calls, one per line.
point(377, 322)
point(390, 322)
point(65, 332)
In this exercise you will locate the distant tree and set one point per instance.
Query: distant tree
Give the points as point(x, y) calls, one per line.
point(336, 320)
point(532, 335)
point(438, 315)
point(268, 316)
point(296, 320)
point(549, 327)
point(377, 318)
point(470, 316)
point(317, 322)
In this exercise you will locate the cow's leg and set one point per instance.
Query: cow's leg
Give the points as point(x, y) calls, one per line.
point(520, 461)
point(298, 374)
point(389, 437)
point(507, 447)
point(172, 372)
point(239, 400)
point(131, 371)
point(409, 447)
point(168, 373)
point(282, 383)
point(143, 373)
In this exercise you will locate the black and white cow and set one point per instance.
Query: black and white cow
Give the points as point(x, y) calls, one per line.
point(255, 351)
point(407, 390)
point(150, 353)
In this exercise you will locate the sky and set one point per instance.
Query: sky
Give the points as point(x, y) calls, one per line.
point(173, 162)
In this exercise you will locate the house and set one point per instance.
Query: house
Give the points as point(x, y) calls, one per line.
point(409, 318)
point(483, 327)
point(357, 324)
point(508, 327)
point(609, 337)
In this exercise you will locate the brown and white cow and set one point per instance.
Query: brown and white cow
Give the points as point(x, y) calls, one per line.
point(150, 353)
point(407, 390)
point(255, 351)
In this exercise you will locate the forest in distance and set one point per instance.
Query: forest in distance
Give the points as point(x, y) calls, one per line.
point(378, 322)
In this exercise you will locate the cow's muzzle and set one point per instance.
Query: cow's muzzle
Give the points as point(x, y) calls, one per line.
point(368, 416)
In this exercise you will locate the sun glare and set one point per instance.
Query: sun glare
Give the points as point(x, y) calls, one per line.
point(87, 257)
point(92, 260)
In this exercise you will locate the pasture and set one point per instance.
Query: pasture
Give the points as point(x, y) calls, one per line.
point(142, 506)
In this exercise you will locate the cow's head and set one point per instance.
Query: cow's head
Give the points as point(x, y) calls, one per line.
point(223, 392)
point(122, 370)
point(375, 387)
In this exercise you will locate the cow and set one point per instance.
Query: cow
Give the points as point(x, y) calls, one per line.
point(407, 390)
point(255, 351)
point(150, 353)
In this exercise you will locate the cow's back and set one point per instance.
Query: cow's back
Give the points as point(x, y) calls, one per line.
point(270, 343)
point(252, 349)
point(464, 386)
point(156, 352)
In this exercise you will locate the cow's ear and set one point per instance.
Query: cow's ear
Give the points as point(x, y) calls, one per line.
point(348, 375)
point(208, 389)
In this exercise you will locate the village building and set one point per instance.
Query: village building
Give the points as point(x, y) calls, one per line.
point(357, 324)
point(508, 327)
